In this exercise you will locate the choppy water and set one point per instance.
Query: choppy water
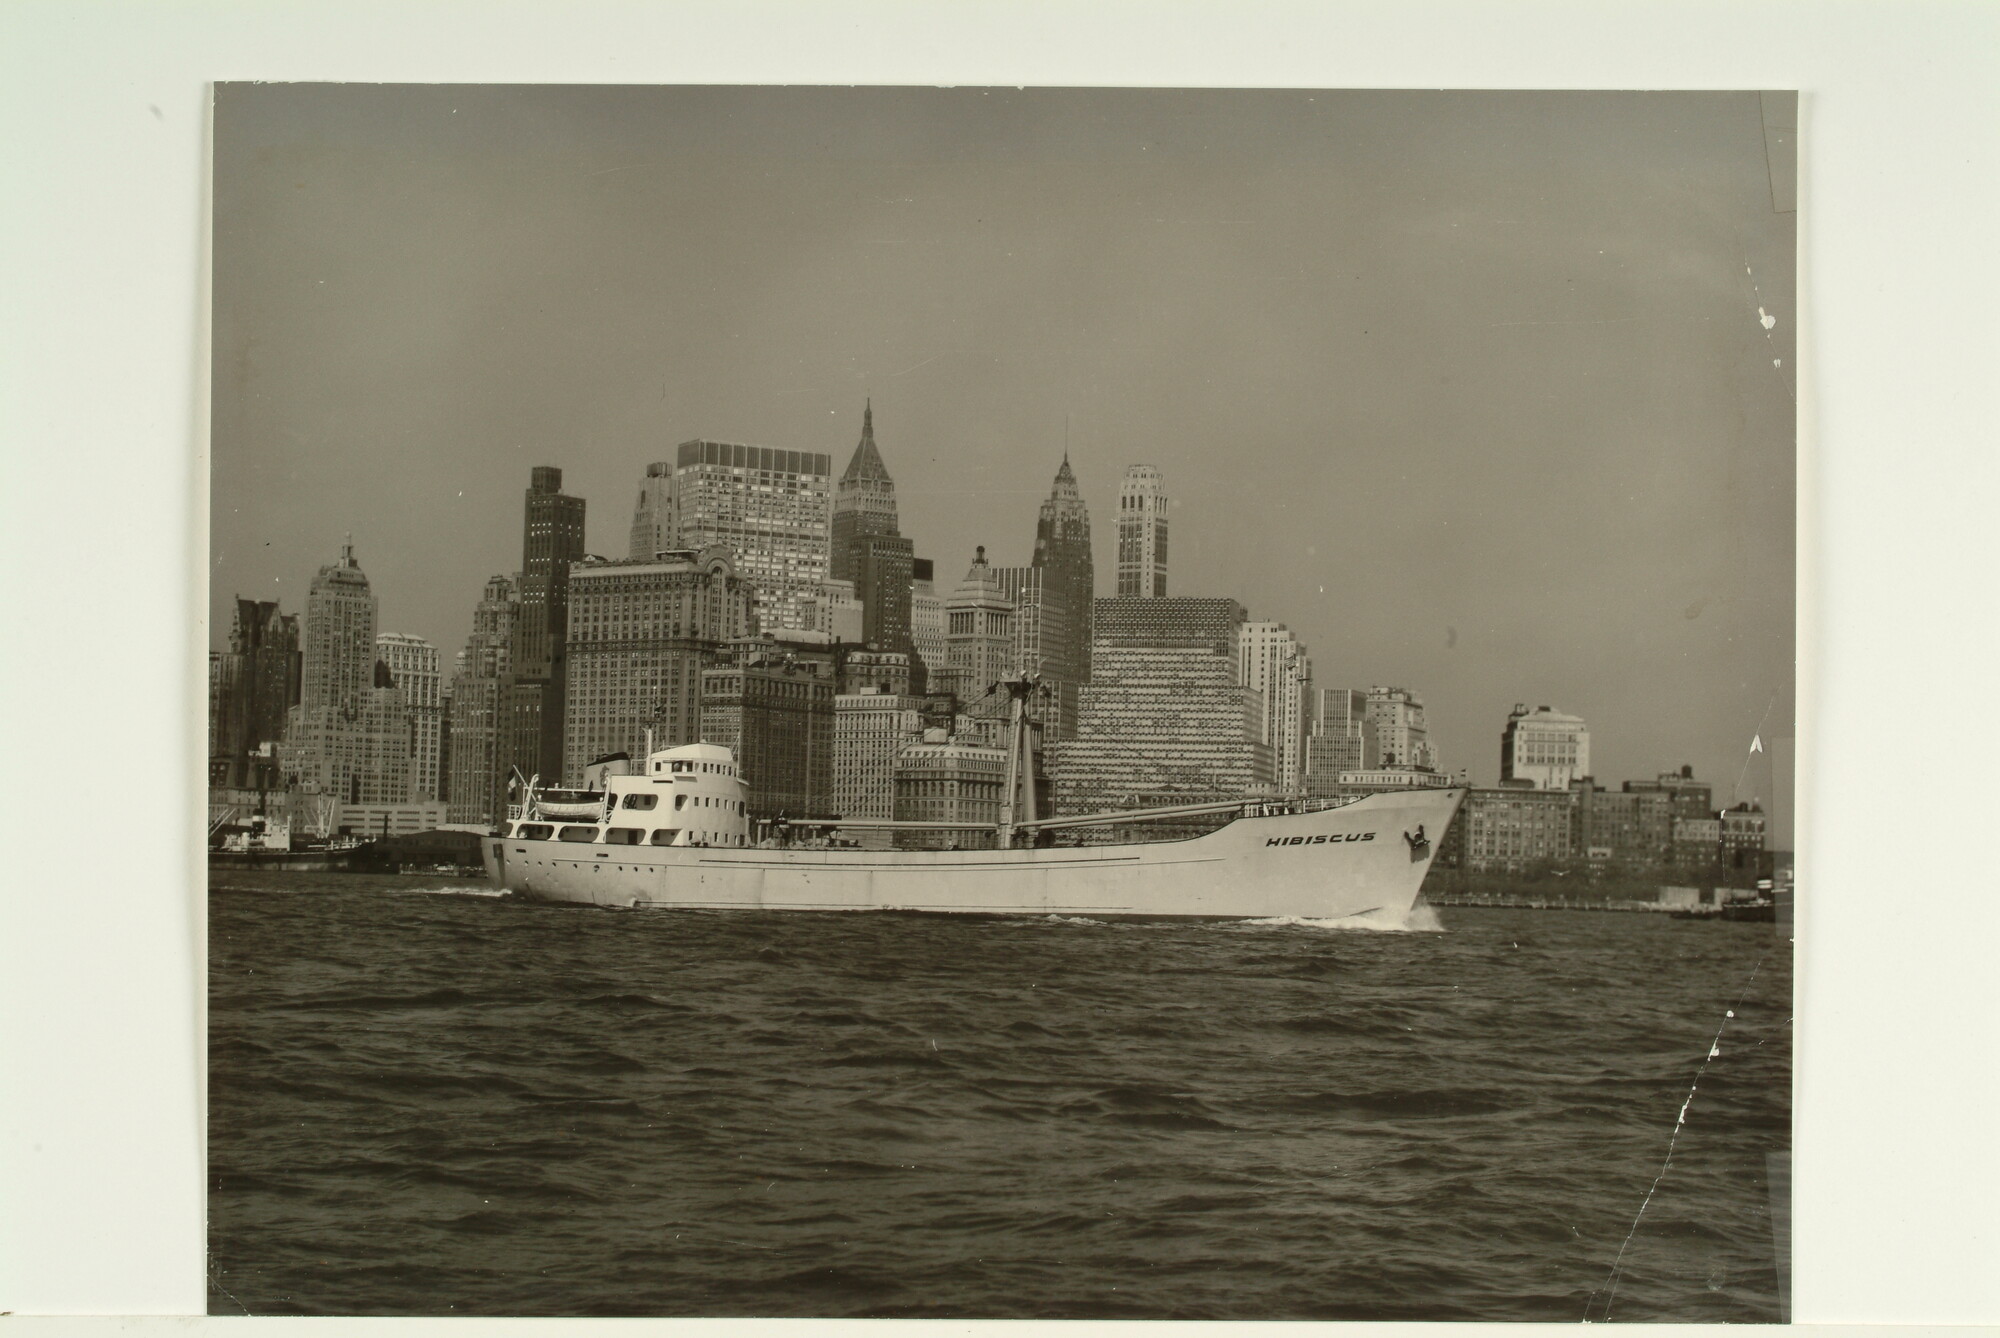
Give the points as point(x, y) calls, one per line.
point(424, 1102)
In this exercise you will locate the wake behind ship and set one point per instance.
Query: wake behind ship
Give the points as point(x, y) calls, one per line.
point(675, 832)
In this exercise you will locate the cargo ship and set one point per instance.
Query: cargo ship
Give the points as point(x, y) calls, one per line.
point(674, 831)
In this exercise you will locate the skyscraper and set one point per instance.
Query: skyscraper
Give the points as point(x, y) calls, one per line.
point(641, 632)
point(254, 687)
point(979, 633)
point(1275, 664)
point(326, 745)
point(652, 518)
point(1341, 738)
point(337, 652)
point(867, 548)
point(870, 728)
point(1544, 748)
point(1068, 595)
point(1398, 714)
point(768, 508)
point(413, 667)
point(1166, 718)
point(551, 539)
point(478, 703)
point(530, 724)
point(1142, 533)
point(778, 721)
point(1039, 620)
point(926, 626)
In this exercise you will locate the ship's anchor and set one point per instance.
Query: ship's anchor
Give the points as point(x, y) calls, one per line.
point(1419, 843)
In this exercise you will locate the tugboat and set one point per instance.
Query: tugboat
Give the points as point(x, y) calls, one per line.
point(675, 832)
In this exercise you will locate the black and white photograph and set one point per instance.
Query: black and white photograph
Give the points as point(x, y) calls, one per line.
point(1008, 703)
point(994, 666)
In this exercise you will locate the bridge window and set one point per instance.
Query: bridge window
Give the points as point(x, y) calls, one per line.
point(577, 834)
point(641, 801)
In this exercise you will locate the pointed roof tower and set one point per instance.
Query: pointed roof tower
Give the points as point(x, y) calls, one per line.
point(867, 462)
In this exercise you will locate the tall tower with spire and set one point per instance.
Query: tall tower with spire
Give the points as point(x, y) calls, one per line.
point(867, 547)
point(1069, 590)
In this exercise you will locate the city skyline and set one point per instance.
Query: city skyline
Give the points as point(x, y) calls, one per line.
point(1585, 501)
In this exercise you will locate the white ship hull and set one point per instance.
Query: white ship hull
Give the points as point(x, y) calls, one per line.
point(1355, 861)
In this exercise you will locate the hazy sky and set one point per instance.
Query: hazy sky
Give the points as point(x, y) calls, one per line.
point(1485, 394)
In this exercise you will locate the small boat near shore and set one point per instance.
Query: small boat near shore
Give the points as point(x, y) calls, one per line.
point(1760, 911)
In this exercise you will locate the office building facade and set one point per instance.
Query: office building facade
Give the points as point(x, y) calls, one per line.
point(1515, 829)
point(779, 722)
point(927, 635)
point(768, 509)
point(331, 745)
point(1276, 665)
point(479, 688)
point(253, 687)
point(979, 634)
point(870, 729)
point(1341, 738)
point(641, 633)
point(948, 779)
point(1544, 748)
point(412, 663)
point(1400, 732)
point(1166, 718)
point(1142, 533)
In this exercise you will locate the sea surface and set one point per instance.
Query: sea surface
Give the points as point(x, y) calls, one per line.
point(425, 1099)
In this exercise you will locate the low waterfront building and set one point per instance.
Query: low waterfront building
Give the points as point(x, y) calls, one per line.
point(377, 821)
point(1512, 829)
point(1697, 842)
point(1691, 798)
point(1624, 827)
point(1743, 834)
